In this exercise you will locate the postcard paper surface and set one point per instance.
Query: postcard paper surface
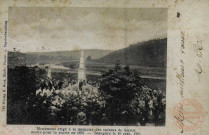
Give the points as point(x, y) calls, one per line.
point(104, 67)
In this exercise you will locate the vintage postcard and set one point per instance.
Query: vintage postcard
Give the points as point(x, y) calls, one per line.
point(104, 67)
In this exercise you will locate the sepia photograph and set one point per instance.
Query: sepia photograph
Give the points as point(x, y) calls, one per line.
point(87, 66)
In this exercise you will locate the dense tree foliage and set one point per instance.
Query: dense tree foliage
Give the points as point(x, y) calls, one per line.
point(88, 58)
point(23, 81)
point(120, 84)
point(152, 53)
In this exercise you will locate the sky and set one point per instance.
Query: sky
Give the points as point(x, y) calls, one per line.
point(36, 29)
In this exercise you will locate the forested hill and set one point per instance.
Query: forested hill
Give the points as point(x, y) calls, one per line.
point(152, 53)
point(59, 55)
point(18, 58)
point(75, 54)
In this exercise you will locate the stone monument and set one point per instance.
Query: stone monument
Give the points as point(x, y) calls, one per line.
point(81, 70)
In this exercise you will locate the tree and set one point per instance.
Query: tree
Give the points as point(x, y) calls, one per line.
point(88, 58)
point(22, 81)
point(22, 84)
point(120, 85)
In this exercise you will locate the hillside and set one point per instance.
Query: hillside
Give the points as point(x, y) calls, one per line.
point(152, 53)
point(18, 58)
point(75, 55)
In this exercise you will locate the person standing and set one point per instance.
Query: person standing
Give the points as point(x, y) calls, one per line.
point(81, 117)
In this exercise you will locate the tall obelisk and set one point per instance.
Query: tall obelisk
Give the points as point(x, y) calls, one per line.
point(49, 72)
point(81, 70)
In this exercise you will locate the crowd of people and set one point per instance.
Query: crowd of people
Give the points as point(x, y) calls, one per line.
point(149, 106)
point(66, 102)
